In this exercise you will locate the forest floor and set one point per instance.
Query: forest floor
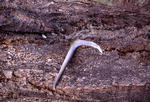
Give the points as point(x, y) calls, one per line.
point(34, 40)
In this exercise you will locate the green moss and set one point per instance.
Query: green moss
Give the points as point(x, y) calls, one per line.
point(105, 1)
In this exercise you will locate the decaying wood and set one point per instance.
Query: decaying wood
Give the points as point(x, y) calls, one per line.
point(35, 36)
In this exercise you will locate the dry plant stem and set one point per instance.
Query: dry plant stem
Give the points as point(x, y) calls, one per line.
point(70, 53)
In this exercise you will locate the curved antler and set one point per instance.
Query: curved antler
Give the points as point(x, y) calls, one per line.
point(73, 47)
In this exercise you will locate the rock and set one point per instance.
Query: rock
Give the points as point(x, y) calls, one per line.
point(8, 74)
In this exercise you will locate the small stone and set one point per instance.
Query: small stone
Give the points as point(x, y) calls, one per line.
point(52, 2)
point(49, 60)
point(8, 74)
point(44, 36)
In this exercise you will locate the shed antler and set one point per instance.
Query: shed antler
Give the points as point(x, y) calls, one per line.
point(70, 53)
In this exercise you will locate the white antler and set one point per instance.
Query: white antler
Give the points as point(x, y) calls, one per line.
point(73, 47)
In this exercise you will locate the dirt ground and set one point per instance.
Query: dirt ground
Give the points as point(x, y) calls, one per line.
point(36, 35)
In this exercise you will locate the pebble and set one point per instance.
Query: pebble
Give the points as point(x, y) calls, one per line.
point(8, 74)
